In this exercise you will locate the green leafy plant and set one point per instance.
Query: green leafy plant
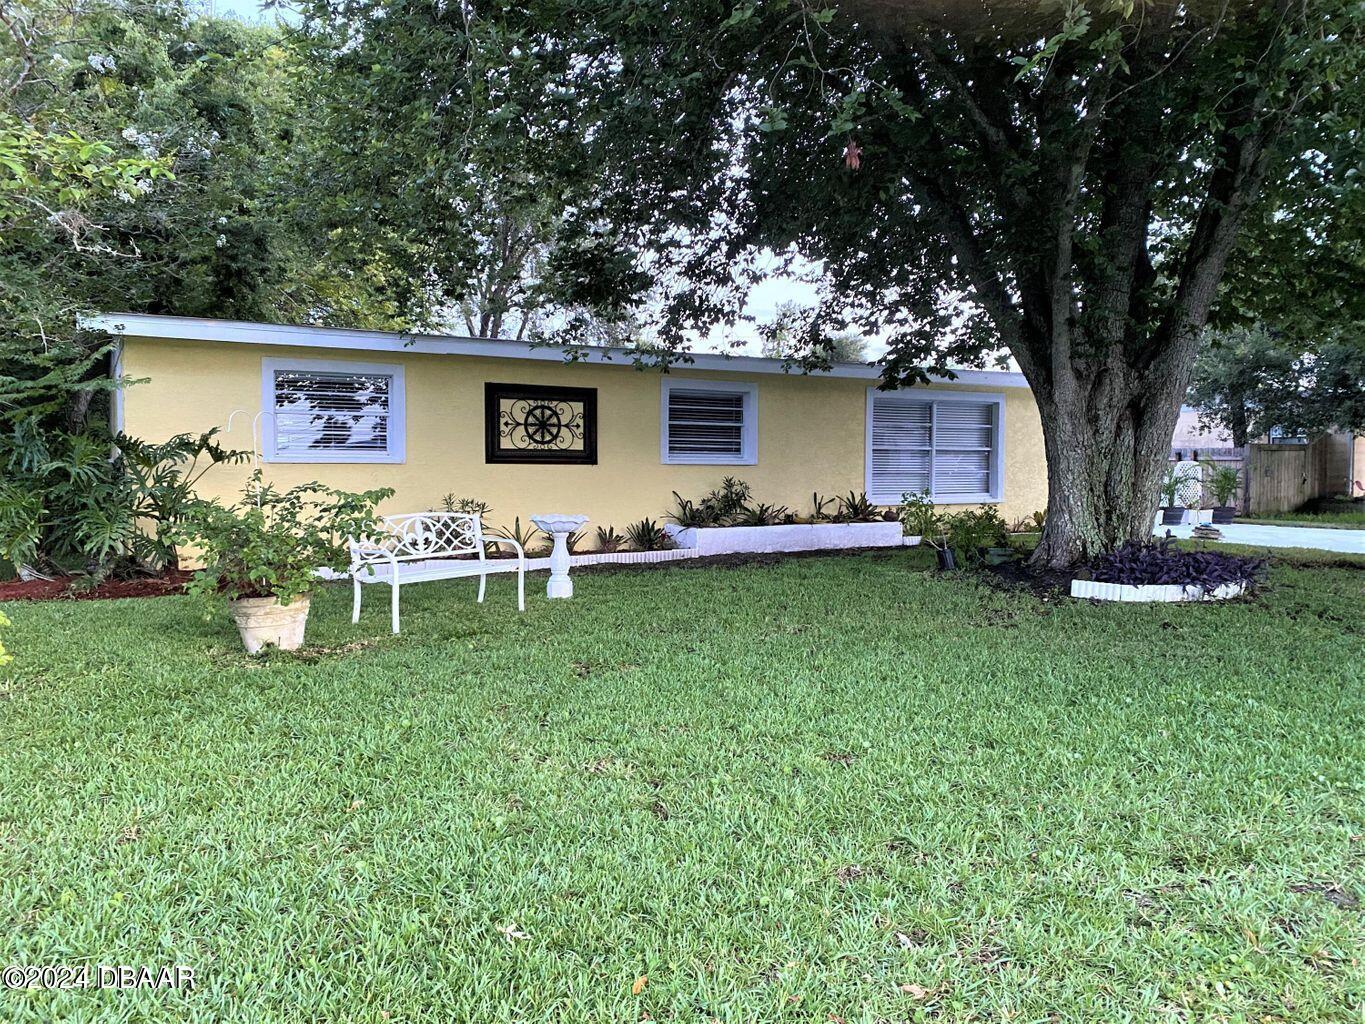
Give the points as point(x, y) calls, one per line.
point(528, 536)
point(918, 515)
point(760, 515)
point(972, 532)
point(465, 506)
point(718, 507)
point(647, 535)
point(111, 504)
point(856, 508)
point(608, 540)
point(1039, 520)
point(1170, 488)
point(820, 506)
point(271, 542)
point(690, 514)
point(1223, 481)
point(573, 540)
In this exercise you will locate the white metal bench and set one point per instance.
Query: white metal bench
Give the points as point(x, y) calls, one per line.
point(424, 546)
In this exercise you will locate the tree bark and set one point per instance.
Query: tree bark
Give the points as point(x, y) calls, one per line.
point(1107, 445)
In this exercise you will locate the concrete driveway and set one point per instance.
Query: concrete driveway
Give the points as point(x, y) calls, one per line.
point(1349, 541)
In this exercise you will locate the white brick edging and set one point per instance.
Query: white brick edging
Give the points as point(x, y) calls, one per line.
point(1169, 592)
point(617, 558)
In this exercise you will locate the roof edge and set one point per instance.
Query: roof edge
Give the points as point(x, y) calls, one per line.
point(185, 328)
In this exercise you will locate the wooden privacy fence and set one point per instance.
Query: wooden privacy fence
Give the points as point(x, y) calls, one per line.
point(1281, 477)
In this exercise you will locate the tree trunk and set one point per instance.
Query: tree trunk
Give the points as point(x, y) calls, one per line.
point(1107, 449)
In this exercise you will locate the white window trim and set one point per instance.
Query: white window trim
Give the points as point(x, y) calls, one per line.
point(917, 395)
point(748, 436)
point(398, 433)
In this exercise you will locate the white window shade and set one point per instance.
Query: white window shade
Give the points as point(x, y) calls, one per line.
point(947, 445)
point(322, 412)
point(900, 446)
point(964, 438)
point(708, 422)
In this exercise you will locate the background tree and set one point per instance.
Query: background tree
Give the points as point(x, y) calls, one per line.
point(1251, 380)
point(787, 336)
point(1066, 182)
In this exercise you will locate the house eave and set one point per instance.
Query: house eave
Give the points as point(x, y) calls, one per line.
point(180, 328)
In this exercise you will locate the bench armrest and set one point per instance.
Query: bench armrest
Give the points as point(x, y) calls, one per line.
point(498, 541)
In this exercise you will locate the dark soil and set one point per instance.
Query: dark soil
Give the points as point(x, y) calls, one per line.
point(1045, 584)
point(76, 588)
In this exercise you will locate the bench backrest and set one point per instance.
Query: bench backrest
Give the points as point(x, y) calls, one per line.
point(421, 535)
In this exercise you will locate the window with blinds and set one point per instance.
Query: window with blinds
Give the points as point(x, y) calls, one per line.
point(947, 447)
point(334, 415)
point(703, 422)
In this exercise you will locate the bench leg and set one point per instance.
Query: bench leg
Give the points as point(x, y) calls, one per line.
point(355, 603)
point(521, 590)
point(483, 582)
point(394, 585)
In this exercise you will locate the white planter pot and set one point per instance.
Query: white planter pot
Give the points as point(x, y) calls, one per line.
point(1195, 516)
point(1154, 592)
point(263, 621)
point(724, 540)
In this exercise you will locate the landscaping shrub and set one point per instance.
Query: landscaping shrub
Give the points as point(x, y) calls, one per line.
point(918, 515)
point(761, 515)
point(647, 535)
point(1142, 564)
point(107, 503)
point(465, 506)
point(856, 508)
point(608, 540)
point(528, 537)
point(271, 542)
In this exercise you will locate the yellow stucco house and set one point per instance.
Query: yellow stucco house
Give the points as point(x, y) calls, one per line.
point(524, 430)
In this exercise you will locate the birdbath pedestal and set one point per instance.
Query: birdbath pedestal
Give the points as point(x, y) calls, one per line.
point(559, 527)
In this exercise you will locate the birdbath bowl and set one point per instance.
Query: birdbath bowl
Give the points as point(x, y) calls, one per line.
point(559, 527)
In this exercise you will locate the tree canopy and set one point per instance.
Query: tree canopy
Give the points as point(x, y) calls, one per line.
point(1067, 183)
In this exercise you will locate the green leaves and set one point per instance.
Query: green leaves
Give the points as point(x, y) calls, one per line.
point(271, 543)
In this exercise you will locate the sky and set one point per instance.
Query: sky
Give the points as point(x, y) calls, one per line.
point(763, 300)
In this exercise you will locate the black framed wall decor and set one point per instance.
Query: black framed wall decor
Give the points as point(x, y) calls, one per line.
point(534, 423)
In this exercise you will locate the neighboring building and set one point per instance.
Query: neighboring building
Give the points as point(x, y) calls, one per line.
point(520, 428)
point(1190, 437)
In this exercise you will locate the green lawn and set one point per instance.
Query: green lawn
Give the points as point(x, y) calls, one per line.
point(1330, 520)
point(1336, 513)
point(830, 789)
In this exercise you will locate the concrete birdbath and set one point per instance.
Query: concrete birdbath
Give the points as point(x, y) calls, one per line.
point(559, 527)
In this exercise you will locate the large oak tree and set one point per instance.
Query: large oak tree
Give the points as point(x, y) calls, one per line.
point(1061, 181)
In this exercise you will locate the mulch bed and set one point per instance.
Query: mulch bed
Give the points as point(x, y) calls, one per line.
point(71, 588)
point(1017, 575)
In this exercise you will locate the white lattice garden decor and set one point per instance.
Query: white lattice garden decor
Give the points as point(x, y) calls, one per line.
point(423, 546)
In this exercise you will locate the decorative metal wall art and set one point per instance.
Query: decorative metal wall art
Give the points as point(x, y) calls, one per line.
point(534, 423)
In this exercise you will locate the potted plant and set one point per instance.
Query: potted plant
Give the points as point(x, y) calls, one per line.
point(263, 553)
point(1171, 510)
point(1223, 482)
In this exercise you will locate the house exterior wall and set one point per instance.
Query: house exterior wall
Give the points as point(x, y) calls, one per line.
point(811, 432)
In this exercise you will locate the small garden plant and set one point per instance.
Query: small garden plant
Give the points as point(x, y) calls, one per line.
point(1223, 482)
point(731, 504)
point(647, 535)
point(1161, 562)
point(271, 542)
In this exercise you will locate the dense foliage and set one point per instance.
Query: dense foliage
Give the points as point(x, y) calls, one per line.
point(1064, 182)
point(1161, 562)
point(271, 543)
point(67, 503)
point(1251, 380)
